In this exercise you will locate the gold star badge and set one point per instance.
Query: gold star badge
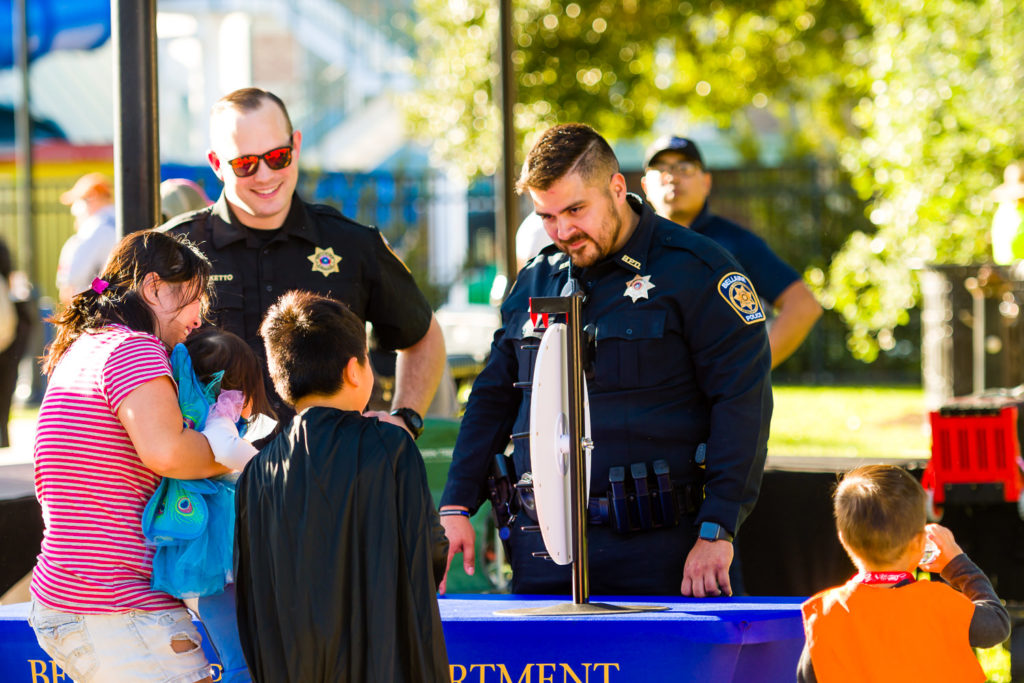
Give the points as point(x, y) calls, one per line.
point(638, 287)
point(324, 261)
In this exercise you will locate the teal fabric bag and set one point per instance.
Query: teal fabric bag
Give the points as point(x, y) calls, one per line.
point(177, 511)
point(194, 397)
point(191, 523)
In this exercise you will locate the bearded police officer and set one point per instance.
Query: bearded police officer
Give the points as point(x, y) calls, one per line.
point(680, 396)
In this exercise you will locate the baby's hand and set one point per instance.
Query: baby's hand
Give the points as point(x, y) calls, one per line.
point(944, 541)
point(228, 448)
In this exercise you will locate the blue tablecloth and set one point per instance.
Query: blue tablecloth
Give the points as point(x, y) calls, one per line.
point(739, 639)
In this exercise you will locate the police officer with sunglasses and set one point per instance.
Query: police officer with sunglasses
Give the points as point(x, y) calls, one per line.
point(264, 240)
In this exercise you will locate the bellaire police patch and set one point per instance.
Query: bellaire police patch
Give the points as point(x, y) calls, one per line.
point(736, 289)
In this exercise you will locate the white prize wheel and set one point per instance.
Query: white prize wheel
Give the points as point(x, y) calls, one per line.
point(550, 446)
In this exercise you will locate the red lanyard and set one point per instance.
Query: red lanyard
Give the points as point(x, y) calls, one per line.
point(883, 577)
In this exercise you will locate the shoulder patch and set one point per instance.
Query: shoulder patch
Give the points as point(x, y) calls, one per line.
point(737, 291)
point(387, 245)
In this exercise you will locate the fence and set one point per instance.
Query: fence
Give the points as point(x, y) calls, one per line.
point(804, 212)
point(399, 205)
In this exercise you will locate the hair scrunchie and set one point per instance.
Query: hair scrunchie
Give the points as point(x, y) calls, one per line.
point(99, 285)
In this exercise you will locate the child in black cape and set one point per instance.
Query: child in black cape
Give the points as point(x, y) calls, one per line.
point(340, 548)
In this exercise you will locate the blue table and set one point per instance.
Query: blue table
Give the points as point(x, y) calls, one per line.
point(741, 639)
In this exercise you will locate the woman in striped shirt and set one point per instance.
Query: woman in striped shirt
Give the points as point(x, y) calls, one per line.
point(109, 428)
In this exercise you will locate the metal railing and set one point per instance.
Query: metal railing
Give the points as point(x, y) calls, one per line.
point(804, 213)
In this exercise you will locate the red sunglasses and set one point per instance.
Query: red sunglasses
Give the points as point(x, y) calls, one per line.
point(246, 165)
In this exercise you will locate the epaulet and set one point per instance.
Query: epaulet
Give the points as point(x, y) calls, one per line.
point(331, 212)
point(674, 236)
point(183, 218)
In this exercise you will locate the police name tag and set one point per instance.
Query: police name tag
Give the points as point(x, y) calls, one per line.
point(736, 289)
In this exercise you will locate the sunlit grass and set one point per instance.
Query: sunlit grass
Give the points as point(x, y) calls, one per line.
point(867, 422)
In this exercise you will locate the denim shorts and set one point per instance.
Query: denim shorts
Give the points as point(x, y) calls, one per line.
point(124, 646)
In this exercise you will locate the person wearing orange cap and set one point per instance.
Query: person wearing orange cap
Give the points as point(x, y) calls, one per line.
point(84, 254)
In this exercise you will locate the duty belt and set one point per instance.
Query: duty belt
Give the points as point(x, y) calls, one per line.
point(637, 503)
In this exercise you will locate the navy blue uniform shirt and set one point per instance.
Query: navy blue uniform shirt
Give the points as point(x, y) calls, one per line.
point(770, 274)
point(681, 358)
point(317, 250)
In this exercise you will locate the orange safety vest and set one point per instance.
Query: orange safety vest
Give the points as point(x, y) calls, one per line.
point(917, 632)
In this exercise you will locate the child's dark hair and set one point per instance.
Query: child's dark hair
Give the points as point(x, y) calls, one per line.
point(172, 258)
point(879, 509)
point(212, 349)
point(309, 340)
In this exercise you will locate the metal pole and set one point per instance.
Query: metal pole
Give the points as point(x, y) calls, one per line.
point(23, 136)
point(136, 126)
point(578, 464)
point(976, 287)
point(978, 342)
point(507, 211)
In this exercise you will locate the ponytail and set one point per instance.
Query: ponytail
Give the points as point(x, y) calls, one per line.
point(116, 298)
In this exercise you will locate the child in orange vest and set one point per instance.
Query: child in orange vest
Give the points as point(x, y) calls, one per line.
point(883, 625)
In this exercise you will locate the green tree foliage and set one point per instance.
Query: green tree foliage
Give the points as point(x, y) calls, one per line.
point(919, 99)
point(940, 120)
point(620, 64)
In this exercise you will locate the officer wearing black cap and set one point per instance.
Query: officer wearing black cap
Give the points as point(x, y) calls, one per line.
point(679, 390)
point(677, 185)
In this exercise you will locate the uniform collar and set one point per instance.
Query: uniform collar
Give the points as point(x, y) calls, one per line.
point(633, 256)
point(229, 229)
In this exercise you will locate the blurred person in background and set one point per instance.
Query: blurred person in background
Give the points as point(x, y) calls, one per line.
point(1007, 236)
point(677, 185)
point(530, 239)
point(181, 195)
point(18, 316)
point(264, 240)
point(84, 254)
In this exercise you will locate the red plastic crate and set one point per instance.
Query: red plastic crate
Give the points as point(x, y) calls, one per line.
point(975, 445)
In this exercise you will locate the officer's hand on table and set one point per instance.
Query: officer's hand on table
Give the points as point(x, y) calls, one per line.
point(706, 572)
point(384, 416)
point(461, 539)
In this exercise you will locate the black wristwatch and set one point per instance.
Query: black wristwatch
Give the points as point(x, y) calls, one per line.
point(412, 420)
point(709, 531)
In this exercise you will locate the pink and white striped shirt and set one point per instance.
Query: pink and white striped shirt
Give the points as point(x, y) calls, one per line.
point(90, 481)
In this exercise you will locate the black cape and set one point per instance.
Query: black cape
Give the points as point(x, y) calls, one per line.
point(340, 552)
